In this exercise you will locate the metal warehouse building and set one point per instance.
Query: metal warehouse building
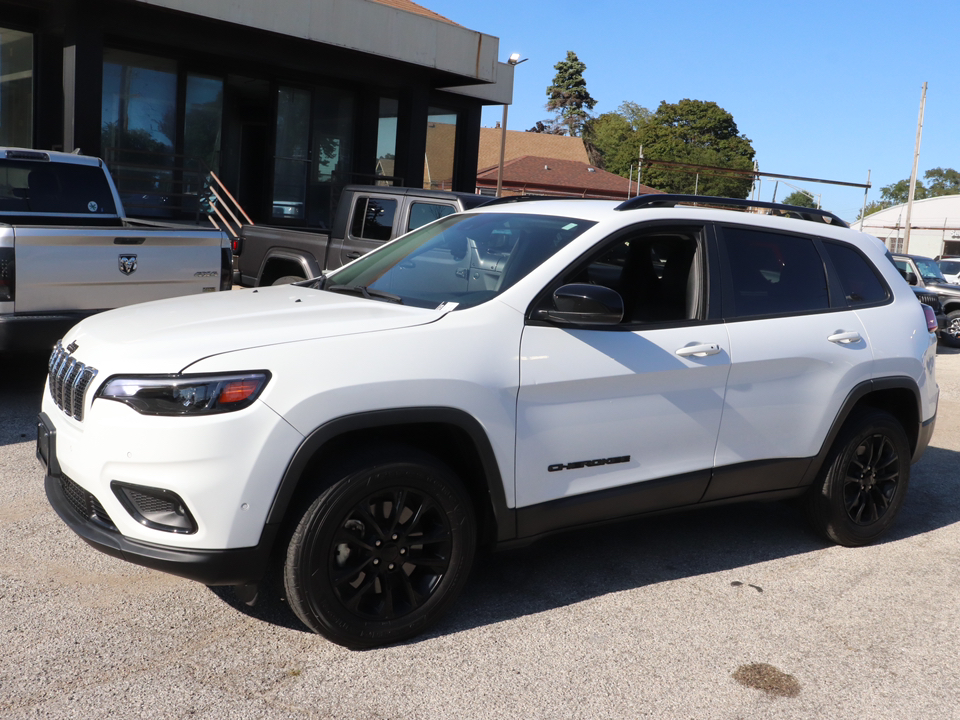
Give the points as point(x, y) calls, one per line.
point(286, 101)
point(934, 226)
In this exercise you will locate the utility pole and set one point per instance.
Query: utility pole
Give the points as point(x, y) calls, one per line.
point(913, 175)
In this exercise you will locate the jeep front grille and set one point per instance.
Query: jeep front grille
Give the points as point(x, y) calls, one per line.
point(929, 299)
point(68, 381)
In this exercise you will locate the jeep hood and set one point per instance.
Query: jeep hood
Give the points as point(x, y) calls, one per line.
point(168, 335)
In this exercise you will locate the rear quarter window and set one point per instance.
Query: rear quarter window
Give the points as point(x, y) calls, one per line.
point(861, 284)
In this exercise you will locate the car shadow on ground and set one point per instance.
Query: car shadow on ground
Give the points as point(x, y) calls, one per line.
point(580, 565)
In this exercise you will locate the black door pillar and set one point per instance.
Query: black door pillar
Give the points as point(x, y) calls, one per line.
point(83, 77)
point(468, 149)
point(412, 136)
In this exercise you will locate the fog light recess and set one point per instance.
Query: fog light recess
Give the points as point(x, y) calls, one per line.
point(155, 508)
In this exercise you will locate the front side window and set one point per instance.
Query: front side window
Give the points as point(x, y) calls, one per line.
point(774, 274)
point(657, 273)
point(463, 258)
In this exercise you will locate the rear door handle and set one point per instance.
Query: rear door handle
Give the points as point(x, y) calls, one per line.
point(701, 350)
point(354, 255)
point(842, 337)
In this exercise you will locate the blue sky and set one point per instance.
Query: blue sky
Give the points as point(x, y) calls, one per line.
point(822, 89)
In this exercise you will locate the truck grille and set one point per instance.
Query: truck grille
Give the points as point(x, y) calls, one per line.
point(929, 299)
point(68, 381)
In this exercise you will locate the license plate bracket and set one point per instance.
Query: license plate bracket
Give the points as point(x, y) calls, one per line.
point(47, 445)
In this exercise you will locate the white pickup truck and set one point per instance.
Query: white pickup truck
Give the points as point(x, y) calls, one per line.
point(67, 249)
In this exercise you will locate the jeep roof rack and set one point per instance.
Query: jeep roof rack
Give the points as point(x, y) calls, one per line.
point(668, 200)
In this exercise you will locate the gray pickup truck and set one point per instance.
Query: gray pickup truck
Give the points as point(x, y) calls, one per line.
point(67, 250)
point(367, 216)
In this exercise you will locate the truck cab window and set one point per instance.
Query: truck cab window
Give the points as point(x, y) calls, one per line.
point(373, 218)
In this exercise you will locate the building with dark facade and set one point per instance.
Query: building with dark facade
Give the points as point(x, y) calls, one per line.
point(285, 101)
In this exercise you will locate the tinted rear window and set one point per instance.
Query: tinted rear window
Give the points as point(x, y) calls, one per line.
point(49, 187)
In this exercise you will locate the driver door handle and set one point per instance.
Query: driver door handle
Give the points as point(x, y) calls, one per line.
point(700, 350)
point(842, 337)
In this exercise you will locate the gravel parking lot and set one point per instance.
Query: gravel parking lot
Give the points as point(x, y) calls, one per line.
point(735, 612)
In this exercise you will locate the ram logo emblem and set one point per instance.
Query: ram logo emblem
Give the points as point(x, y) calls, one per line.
point(128, 264)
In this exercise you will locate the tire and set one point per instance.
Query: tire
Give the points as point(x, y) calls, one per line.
point(864, 480)
point(287, 279)
point(950, 335)
point(363, 575)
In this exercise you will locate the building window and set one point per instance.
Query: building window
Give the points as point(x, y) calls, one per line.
point(16, 88)
point(292, 156)
point(139, 128)
point(441, 149)
point(203, 120)
point(387, 138)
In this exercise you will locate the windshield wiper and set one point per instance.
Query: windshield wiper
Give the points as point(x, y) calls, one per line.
point(368, 293)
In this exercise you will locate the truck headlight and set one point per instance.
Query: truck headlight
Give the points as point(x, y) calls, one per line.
point(186, 394)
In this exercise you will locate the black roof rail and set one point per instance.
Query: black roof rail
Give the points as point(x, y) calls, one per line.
point(668, 200)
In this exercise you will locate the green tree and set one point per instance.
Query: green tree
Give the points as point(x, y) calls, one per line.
point(799, 199)
point(872, 207)
point(899, 192)
point(942, 181)
point(568, 96)
point(697, 133)
point(616, 137)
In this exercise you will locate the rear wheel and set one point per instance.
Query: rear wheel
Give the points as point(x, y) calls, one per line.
point(381, 554)
point(287, 279)
point(864, 480)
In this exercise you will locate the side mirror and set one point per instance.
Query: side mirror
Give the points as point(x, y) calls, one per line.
point(582, 304)
point(911, 278)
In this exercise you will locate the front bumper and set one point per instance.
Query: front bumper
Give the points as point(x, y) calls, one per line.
point(84, 514)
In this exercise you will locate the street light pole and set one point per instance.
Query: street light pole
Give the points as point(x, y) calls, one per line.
point(513, 60)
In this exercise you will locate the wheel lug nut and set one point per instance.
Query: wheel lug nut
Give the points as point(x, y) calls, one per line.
point(403, 551)
point(376, 561)
point(390, 566)
point(378, 543)
point(395, 536)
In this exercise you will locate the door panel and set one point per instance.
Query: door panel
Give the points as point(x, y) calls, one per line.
point(602, 395)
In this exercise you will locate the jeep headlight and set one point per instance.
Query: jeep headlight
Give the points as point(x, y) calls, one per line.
point(186, 394)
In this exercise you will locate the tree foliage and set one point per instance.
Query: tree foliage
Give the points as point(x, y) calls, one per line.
point(942, 181)
point(568, 96)
point(799, 199)
point(616, 137)
point(697, 133)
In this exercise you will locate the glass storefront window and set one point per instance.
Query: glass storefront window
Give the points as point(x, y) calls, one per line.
point(441, 149)
point(203, 120)
point(292, 157)
point(332, 145)
point(16, 88)
point(387, 136)
point(139, 128)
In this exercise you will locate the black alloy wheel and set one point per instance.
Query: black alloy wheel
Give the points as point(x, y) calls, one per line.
point(863, 481)
point(383, 552)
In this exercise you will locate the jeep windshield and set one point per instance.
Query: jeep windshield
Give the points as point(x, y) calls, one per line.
point(465, 259)
point(929, 270)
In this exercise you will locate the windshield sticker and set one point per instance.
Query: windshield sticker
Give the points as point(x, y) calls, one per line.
point(92, 206)
point(569, 226)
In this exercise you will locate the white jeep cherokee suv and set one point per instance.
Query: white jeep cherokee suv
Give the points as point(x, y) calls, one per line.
point(492, 377)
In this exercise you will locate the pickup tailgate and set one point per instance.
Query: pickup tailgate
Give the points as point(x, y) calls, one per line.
point(70, 268)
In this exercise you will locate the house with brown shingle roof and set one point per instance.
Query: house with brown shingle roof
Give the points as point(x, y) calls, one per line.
point(544, 164)
point(531, 175)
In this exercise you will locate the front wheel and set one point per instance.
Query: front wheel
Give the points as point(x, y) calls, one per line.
point(950, 335)
point(864, 480)
point(381, 554)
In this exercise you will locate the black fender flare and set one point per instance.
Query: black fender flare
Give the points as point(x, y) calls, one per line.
point(857, 394)
point(504, 516)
